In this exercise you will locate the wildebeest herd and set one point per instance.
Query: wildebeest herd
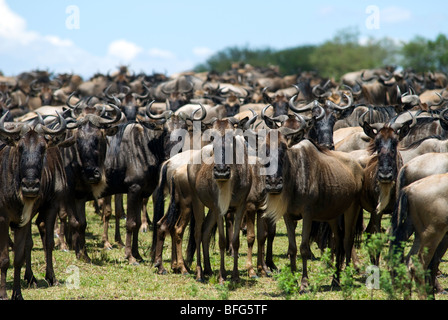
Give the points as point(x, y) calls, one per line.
point(225, 150)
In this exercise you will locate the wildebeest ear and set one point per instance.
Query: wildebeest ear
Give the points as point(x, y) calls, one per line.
point(403, 131)
point(111, 131)
point(10, 141)
point(369, 130)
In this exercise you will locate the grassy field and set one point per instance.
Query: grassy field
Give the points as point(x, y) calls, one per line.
point(110, 277)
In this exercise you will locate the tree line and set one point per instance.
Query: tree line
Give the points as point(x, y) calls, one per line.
point(339, 55)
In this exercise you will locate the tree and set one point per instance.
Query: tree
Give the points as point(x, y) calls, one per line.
point(344, 53)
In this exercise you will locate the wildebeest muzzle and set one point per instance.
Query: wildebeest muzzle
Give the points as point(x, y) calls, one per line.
point(221, 172)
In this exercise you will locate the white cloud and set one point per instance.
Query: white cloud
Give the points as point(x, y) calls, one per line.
point(124, 50)
point(160, 53)
point(22, 49)
point(394, 14)
point(202, 52)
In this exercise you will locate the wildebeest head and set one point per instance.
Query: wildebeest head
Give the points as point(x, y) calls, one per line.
point(385, 138)
point(323, 119)
point(279, 103)
point(178, 94)
point(44, 89)
point(90, 128)
point(31, 143)
point(174, 126)
point(222, 133)
point(129, 101)
point(231, 100)
point(278, 141)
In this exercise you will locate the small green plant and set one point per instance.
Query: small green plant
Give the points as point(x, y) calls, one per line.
point(288, 282)
point(348, 281)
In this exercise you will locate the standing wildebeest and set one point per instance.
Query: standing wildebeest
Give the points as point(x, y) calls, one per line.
point(213, 183)
point(84, 164)
point(133, 163)
point(421, 208)
point(316, 185)
point(380, 173)
point(33, 179)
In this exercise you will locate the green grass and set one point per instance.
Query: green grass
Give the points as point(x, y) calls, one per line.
point(110, 277)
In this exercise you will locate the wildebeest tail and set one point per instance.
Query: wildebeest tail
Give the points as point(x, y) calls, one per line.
point(159, 204)
point(173, 209)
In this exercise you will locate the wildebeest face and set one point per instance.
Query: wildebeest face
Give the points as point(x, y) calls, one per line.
point(32, 149)
point(322, 129)
point(385, 139)
point(274, 181)
point(177, 100)
point(222, 137)
point(386, 146)
point(91, 145)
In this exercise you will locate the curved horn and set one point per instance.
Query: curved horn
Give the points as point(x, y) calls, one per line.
point(321, 114)
point(338, 107)
point(142, 97)
point(8, 132)
point(266, 97)
point(203, 114)
point(251, 120)
point(308, 107)
point(68, 101)
point(164, 115)
point(117, 118)
point(34, 86)
point(367, 80)
point(62, 125)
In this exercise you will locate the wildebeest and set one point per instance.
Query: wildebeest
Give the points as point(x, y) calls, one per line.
point(380, 173)
point(323, 119)
point(33, 180)
point(84, 163)
point(316, 185)
point(421, 208)
point(213, 182)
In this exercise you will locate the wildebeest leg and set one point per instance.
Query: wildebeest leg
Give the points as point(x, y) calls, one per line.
point(305, 251)
point(228, 218)
point(133, 222)
point(338, 249)
point(272, 229)
point(45, 223)
point(145, 218)
point(250, 227)
point(29, 275)
point(222, 249)
point(262, 233)
point(4, 255)
point(291, 225)
point(107, 212)
point(209, 224)
point(178, 233)
point(62, 228)
point(161, 228)
point(430, 240)
point(434, 265)
point(198, 212)
point(238, 219)
point(20, 242)
point(79, 226)
point(119, 213)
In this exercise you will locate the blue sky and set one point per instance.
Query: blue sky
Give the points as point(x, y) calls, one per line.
point(173, 36)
